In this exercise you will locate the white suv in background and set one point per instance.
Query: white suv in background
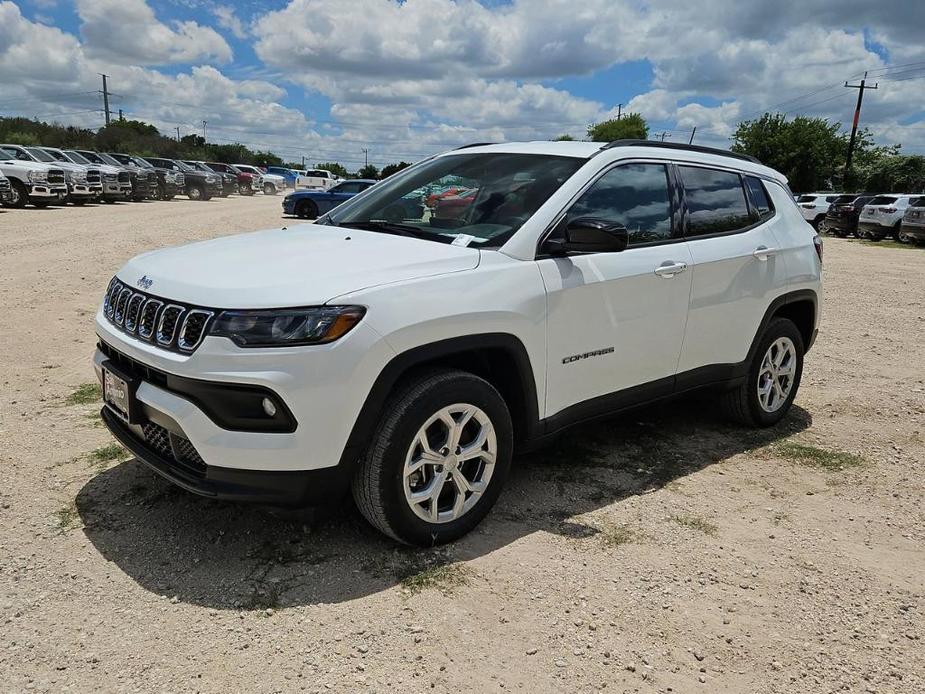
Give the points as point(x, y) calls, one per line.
point(406, 356)
point(883, 216)
point(814, 207)
point(318, 179)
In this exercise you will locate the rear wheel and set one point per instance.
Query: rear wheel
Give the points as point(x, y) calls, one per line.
point(307, 209)
point(897, 232)
point(438, 459)
point(822, 226)
point(773, 377)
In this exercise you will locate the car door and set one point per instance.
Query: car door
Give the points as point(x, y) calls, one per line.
point(615, 321)
point(738, 267)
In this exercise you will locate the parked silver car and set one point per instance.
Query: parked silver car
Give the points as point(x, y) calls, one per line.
point(913, 225)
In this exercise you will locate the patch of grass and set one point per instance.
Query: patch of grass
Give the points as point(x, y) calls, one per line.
point(616, 535)
point(106, 454)
point(85, 394)
point(440, 577)
point(813, 456)
point(94, 419)
point(886, 243)
point(67, 516)
point(696, 523)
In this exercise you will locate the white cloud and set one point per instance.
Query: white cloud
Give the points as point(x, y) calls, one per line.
point(128, 31)
point(227, 19)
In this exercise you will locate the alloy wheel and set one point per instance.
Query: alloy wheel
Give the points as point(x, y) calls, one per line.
point(450, 463)
point(775, 378)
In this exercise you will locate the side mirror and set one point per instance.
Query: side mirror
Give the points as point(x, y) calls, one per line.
point(589, 235)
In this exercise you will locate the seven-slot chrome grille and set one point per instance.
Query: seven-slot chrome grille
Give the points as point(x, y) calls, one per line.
point(94, 176)
point(124, 177)
point(56, 176)
point(174, 326)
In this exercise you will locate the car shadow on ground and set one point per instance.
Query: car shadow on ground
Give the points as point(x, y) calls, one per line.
point(235, 556)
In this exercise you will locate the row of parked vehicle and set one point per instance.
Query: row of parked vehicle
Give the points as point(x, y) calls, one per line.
point(867, 215)
point(43, 176)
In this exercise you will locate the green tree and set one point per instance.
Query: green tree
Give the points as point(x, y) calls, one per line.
point(390, 169)
point(631, 126)
point(333, 167)
point(368, 171)
point(21, 138)
point(564, 138)
point(810, 152)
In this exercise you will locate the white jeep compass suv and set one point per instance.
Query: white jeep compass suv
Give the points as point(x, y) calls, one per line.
point(405, 350)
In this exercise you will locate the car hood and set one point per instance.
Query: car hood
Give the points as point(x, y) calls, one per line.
point(35, 165)
point(303, 265)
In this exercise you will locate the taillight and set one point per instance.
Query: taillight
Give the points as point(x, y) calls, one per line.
point(817, 242)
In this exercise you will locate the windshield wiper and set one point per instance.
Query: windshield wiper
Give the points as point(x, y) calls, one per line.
point(390, 228)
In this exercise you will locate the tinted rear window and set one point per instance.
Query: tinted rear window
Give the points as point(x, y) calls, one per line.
point(759, 196)
point(806, 198)
point(715, 201)
point(883, 200)
point(917, 202)
point(844, 199)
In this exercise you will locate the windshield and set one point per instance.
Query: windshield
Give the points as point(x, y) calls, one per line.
point(106, 159)
point(197, 166)
point(883, 200)
point(39, 154)
point(77, 158)
point(183, 166)
point(57, 155)
point(15, 153)
point(469, 199)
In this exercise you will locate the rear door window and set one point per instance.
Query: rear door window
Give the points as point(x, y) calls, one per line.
point(715, 201)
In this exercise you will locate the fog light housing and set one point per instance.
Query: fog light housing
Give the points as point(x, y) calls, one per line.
point(269, 407)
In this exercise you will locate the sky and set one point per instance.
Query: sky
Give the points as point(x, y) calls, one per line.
point(328, 79)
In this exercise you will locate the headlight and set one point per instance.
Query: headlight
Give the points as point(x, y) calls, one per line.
point(38, 176)
point(288, 326)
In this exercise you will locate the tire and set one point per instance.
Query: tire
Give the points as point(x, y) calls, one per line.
point(743, 403)
point(269, 189)
point(78, 203)
point(818, 222)
point(840, 233)
point(41, 204)
point(307, 209)
point(20, 195)
point(380, 487)
point(822, 226)
point(903, 237)
point(196, 193)
point(897, 231)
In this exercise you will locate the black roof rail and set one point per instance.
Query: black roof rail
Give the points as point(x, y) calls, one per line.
point(475, 144)
point(678, 145)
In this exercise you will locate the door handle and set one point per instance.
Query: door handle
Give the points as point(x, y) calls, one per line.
point(670, 268)
point(763, 252)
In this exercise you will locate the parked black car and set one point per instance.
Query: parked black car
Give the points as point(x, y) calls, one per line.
point(144, 178)
point(229, 180)
point(170, 183)
point(842, 217)
point(199, 185)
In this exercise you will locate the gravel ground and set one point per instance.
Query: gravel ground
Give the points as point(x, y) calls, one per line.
point(664, 551)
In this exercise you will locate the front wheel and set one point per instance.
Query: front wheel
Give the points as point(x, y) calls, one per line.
point(773, 377)
point(307, 210)
point(822, 226)
point(438, 459)
point(20, 195)
point(195, 193)
point(269, 189)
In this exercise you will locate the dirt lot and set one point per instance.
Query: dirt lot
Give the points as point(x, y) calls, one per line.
point(665, 551)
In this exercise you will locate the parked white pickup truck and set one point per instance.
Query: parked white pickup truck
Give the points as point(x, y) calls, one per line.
point(31, 181)
point(316, 178)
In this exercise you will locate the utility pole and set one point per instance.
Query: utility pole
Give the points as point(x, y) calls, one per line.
point(366, 155)
point(121, 117)
point(693, 132)
point(178, 133)
point(105, 98)
point(857, 116)
point(619, 111)
point(204, 130)
point(303, 162)
point(661, 136)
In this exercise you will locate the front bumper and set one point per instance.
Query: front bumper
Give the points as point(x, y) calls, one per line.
point(118, 191)
point(323, 387)
point(44, 190)
point(85, 190)
point(295, 488)
point(289, 206)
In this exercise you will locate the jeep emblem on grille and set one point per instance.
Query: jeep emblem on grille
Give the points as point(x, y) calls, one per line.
point(145, 282)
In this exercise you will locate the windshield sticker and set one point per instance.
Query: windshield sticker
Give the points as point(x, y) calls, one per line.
point(463, 240)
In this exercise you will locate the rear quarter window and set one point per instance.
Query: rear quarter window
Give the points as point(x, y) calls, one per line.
point(759, 197)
